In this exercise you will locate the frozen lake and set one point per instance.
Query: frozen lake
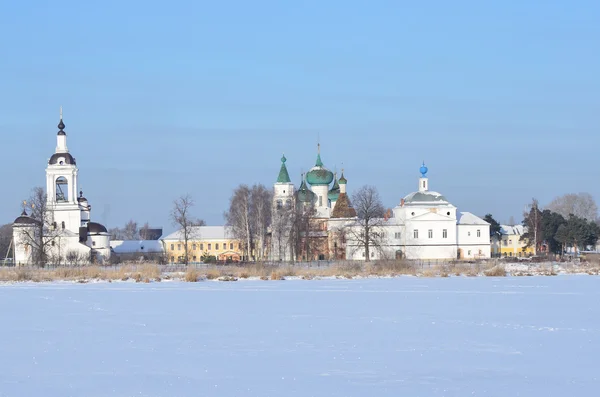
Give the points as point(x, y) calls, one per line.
point(521, 336)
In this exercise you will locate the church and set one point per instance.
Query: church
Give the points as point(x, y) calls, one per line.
point(61, 231)
point(423, 226)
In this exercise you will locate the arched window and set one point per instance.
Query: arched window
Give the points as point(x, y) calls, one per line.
point(288, 203)
point(63, 225)
point(62, 189)
point(279, 204)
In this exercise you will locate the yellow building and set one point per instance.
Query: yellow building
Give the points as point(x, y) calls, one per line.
point(511, 244)
point(204, 242)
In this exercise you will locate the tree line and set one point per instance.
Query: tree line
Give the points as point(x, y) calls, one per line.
point(568, 221)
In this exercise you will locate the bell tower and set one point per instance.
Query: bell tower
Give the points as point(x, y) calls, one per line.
point(61, 184)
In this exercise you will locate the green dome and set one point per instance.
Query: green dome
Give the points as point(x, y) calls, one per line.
point(334, 192)
point(319, 175)
point(304, 194)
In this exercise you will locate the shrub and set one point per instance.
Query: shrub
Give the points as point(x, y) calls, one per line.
point(496, 271)
point(191, 275)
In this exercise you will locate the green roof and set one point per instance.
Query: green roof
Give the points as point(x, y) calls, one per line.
point(343, 180)
point(283, 177)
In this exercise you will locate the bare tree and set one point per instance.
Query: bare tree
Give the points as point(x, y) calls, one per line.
point(302, 225)
point(239, 219)
point(532, 219)
point(366, 231)
point(582, 205)
point(44, 233)
point(181, 217)
point(131, 231)
point(144, 231)
point(6, 234)
point(281, 228)
point(260, 215)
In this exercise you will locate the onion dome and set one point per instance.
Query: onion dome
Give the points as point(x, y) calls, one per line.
point(319, 175)
point(81, 198)
point(283, 177)
point(423, 170)
point(343, 180)
point(24, 219)
point(61, 127)
point(304, 194)
point(334, 192)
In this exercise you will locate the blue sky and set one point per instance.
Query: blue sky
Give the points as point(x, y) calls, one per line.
point(166, 98)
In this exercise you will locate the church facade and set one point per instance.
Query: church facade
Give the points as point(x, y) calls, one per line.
point(60, 230)
point(423, 226)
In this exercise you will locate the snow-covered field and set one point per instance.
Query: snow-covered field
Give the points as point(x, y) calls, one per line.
point(522, 336)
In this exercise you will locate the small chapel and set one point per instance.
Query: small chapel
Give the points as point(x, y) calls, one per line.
point(63, 231)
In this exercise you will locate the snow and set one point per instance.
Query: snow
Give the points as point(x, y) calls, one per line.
point(458, 336)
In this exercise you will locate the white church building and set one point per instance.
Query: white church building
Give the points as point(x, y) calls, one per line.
point(424, 226)
point(68, 234)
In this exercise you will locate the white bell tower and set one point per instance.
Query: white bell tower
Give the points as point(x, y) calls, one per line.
point(61, 184)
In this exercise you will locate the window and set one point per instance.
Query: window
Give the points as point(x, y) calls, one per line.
point(415, 233)
point(53, 243)
point(209, 247)
point(194, 258)
point(230, 246)
point(372, 254)
point(172, 247)
point(423, 184)
point(217, 246)
point(172, 258)
point(93, 243)
point(63, 225)
point(445, 233)
point(478, 233)
point(398, 235)
point(201, 246)
point(430, 233)
point(468, 233)
point(363, 254)
point(178, 247)
point(194, 247)
point(279, 204)
point(320, 201)
point(469, 252)
point(510, 241)
point(54, 225)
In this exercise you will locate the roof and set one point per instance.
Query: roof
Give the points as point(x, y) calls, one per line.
point(343, 207)
point(25, 219)
point(513, 230)
point(467, 218)
point(343, 180)
point(96, 228)
point(425, 197)
point(132, 246)
point(68, 159)
point(204, 233)
point(283, 176)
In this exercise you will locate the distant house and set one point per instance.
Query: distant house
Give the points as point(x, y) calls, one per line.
point(205, 241)
point(145, 250)
point(511, 244)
